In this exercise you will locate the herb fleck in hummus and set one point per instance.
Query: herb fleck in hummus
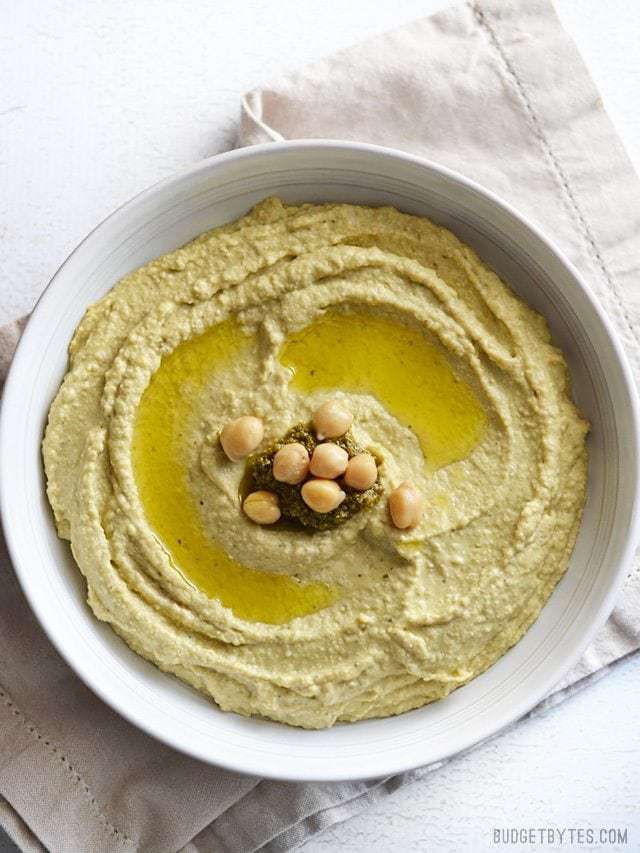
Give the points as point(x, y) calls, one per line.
point(454, 385)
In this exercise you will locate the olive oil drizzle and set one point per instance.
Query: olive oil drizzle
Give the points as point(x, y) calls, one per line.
point(162, 479)
point(358, 351)
point(363, 351)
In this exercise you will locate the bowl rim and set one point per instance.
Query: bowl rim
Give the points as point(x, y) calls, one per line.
point(389, 766)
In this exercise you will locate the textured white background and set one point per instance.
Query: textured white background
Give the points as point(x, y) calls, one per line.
point(100, 99)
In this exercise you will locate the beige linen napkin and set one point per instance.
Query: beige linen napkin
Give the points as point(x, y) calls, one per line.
point(497, 91)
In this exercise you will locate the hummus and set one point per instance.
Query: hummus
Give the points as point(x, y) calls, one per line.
point(454, 384)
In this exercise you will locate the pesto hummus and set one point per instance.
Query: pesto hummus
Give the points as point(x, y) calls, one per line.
point(454, 384)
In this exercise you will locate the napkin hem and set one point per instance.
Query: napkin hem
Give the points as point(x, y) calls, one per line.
point(566, 176)
point(71, 781)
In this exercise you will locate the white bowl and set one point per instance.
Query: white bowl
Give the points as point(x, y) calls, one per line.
point(217, 191)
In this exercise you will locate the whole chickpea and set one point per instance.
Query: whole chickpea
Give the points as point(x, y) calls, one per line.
point(262, 507)
point(322, 495)
point(240, 437)
point(362, 472)
point(406, 505)
point(331, 420)
point(329, 461)
point(291, 463)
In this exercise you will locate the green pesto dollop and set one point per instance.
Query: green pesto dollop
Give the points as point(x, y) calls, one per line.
point(259, 475)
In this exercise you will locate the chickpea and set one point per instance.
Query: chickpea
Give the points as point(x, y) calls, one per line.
point(406, 505)
point(291, 463)
point(362, 472)
point(322, 495)
point(262, 507)
point(239, 438)
point(329, 461)
point(331, 420)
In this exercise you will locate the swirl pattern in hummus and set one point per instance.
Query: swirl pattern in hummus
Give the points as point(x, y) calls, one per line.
point(363, 620)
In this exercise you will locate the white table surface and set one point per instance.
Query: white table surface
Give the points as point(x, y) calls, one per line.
point(99, 100)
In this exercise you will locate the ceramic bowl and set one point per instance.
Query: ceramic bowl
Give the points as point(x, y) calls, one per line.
point(214, 192)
